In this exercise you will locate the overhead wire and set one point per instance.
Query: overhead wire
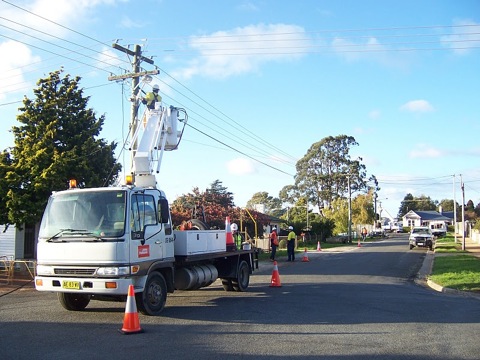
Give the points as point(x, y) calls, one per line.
point(226, 133)
point(237, 126)
point(246, 132)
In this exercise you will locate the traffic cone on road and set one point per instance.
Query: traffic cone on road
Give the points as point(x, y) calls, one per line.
point(359, 245)
point(131, 323)
point(319, 248)
point(305, 256)
point(275, 282)
point(229, 237)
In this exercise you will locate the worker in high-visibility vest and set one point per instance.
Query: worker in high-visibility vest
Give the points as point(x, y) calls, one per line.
point(237, 237)
point(152, 97)
point(291, 244)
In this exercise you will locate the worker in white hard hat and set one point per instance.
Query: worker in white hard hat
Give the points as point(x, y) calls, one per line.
point(237, 237)
point(291, 244)
point(152, 97)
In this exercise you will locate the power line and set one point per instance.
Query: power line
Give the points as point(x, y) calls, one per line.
point(245, 131)
point(58, 38)
point(240, 152)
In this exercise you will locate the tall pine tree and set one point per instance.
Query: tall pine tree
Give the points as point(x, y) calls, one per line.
point(57, 141)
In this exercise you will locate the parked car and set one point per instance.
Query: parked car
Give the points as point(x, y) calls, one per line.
point(421, 236)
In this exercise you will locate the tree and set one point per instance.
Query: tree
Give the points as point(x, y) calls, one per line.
point(363, 211)
point(56, 142)
point(272, 205)
point(421, 203)
point(325, 170)
point(338, 213)
point(215, 202)
point(5, 167)
point(218, 194)
point(289, 194)
point(447, 205)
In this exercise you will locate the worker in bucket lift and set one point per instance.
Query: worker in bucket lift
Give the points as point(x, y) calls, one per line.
point(237, 237)
point(152, 97)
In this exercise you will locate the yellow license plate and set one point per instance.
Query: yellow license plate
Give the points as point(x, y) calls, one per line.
point(75, 285)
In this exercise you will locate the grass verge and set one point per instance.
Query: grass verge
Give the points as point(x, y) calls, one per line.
point(461, 272)
point(456, 270)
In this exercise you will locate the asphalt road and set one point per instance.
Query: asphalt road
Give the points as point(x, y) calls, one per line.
point(361, 303)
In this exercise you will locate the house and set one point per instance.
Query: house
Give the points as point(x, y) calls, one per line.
point(18, 243)
point(435, 220)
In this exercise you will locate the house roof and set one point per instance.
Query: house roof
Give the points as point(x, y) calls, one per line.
point(427, 215)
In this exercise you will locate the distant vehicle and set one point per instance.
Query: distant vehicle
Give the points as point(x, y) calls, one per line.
point(439, 230)
point(421, 236)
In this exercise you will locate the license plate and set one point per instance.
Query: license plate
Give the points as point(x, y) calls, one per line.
point(420, 244)
point(75, 285)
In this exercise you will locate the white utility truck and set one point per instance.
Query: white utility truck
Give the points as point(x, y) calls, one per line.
point(94, 243)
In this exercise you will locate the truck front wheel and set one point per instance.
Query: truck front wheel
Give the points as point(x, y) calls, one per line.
point(73, 302)
point(243, 277)
point(151, 300)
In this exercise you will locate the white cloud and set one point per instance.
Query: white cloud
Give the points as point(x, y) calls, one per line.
point(11, 77)
point(128, 23)
point(242, 50)
point(248, 6)
point(17, 58)
point(370, 49)
point(465, 36)
point(240, 166)
point(425, 151)
point(417, 106)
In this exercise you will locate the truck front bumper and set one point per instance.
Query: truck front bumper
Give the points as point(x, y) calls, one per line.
point(83, 285)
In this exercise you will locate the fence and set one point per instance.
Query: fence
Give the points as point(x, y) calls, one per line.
point(12, 270)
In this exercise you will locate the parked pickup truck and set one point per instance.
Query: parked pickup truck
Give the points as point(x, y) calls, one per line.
point(421, 236)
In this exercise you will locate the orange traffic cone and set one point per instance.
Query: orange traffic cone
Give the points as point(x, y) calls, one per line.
point(131, 323)
point(359, 245)
point(305, 256)
point(229, 237)
point(275, 282)
point(319, 248)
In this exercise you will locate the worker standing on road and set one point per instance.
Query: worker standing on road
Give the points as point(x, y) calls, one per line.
point(273, 243)
point(364, 233)
point(291, 244)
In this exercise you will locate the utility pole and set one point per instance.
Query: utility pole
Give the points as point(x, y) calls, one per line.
point(454, 211)
point(134, 75)
point(463, 212)
point(349, 210)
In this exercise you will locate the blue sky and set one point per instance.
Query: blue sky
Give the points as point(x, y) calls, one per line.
point(269, 79)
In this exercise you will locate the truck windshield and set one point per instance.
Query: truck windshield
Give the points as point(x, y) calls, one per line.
point(100, 213)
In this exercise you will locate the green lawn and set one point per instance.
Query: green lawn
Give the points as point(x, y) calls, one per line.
point(457, 270)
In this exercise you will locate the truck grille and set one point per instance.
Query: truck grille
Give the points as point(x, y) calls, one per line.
point(74, 272)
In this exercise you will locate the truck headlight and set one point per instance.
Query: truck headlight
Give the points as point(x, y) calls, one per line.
point(45, 270)
point(113, 271)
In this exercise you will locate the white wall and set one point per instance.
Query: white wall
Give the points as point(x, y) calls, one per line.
point(7, 241)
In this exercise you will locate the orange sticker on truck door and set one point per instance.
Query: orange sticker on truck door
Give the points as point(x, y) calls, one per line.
point(144, 251)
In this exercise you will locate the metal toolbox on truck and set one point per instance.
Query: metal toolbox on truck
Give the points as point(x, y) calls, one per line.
point(199, 242)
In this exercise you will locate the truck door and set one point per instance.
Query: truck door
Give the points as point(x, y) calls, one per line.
point(147, 236)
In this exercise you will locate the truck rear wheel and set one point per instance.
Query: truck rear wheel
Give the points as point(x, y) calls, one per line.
point(243, 277)
point(151, 300)
point(73, 302)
